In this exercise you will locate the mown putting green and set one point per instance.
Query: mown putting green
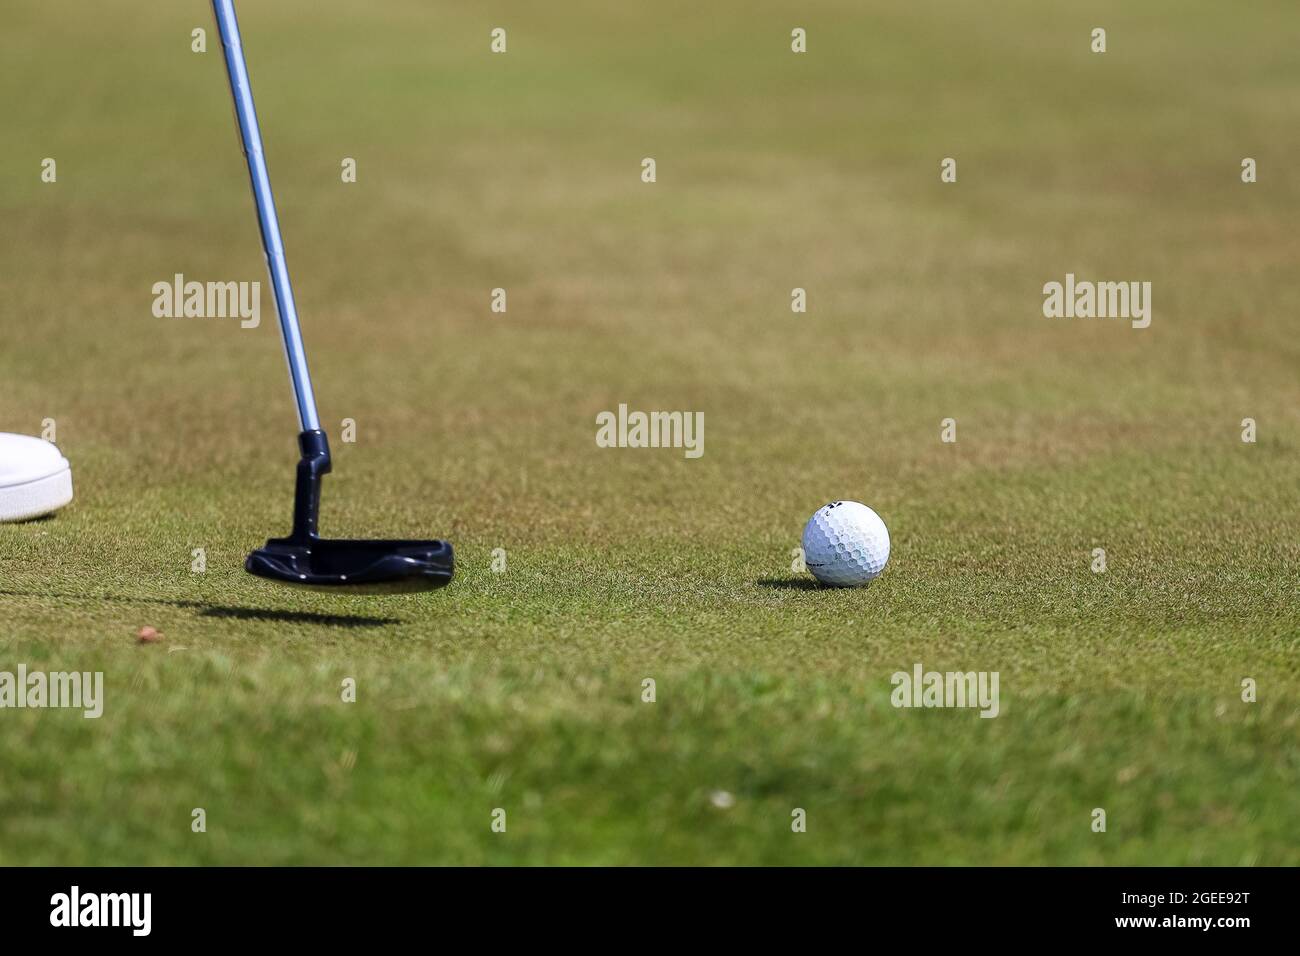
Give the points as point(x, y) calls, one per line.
point(523, 690)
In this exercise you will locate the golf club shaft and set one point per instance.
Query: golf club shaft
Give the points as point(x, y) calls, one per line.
point(251, 135)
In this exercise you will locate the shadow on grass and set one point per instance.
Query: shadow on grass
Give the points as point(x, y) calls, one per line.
point(791, 584)
point(295, 617)
point(216, 610)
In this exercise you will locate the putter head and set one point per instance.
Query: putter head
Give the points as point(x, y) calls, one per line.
point(340, 564)
point(308, 560)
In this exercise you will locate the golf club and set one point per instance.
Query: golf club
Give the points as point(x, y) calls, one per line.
point(304, 557)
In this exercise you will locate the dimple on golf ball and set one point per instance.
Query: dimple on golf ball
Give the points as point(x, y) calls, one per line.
point(845, 544)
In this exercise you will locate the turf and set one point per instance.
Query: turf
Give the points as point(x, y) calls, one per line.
point(522, 690)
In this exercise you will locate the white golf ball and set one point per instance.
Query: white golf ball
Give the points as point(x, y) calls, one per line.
point(845, 544)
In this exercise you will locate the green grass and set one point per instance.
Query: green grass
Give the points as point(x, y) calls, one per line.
point(522, 690)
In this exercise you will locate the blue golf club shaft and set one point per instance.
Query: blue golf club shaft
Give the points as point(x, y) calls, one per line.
point(251, 135)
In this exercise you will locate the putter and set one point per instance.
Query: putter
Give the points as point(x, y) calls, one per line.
point(305, 558)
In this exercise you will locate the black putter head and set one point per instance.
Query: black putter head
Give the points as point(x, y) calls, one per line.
point(339, 564)
point(308, 560)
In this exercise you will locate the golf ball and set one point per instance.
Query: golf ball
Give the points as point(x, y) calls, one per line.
point(845, 544)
